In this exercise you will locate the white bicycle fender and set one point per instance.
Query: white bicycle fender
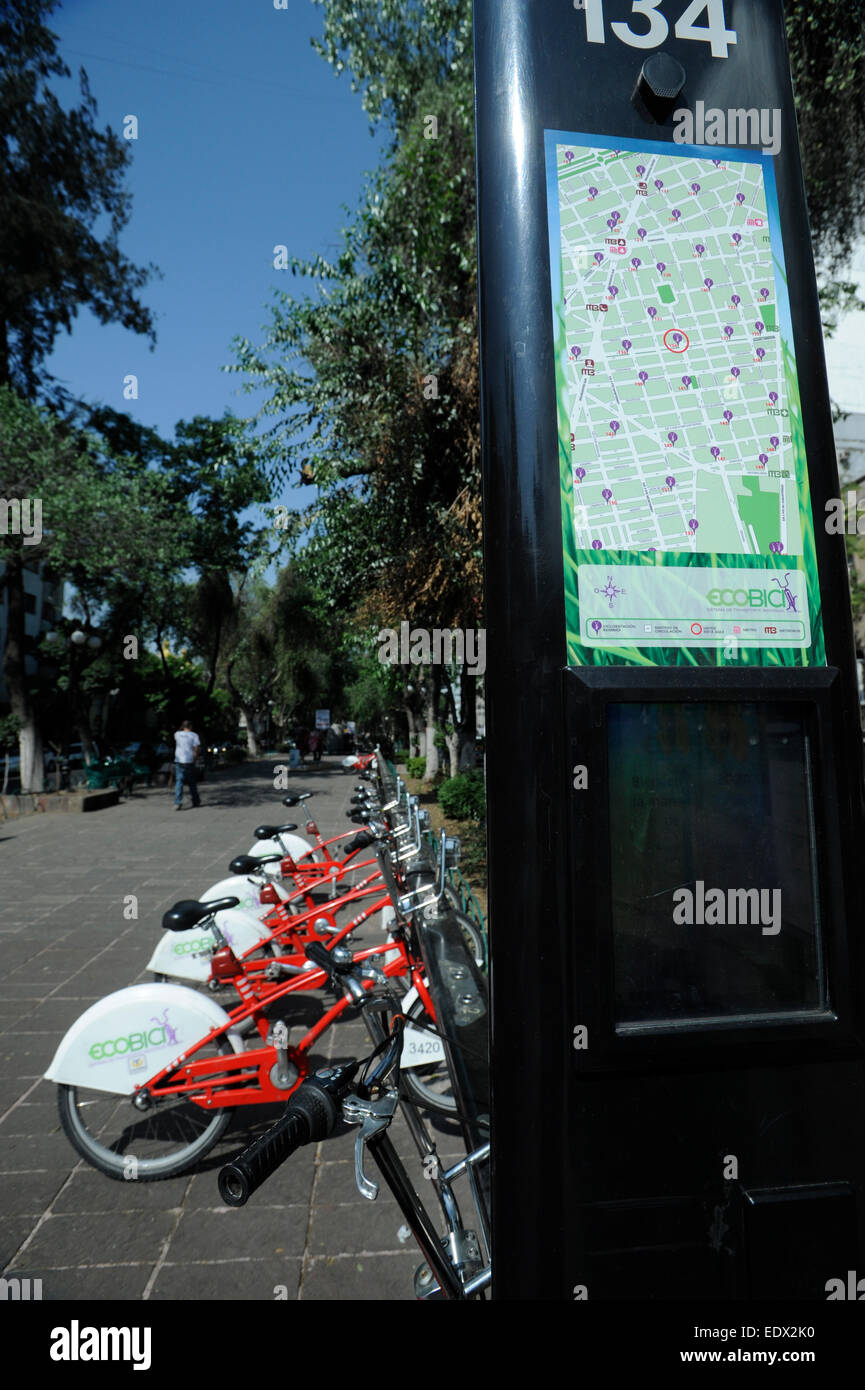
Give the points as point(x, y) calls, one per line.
point(131, 1034)
point(237, 886)
point(186, 954)
point(295, 845)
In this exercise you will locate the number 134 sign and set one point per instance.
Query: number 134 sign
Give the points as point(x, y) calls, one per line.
point(653, 27)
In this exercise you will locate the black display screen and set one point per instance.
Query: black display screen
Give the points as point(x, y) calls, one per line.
point(715, 912)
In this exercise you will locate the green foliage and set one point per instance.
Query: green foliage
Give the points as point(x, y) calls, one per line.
point(463, 797)
point(61, 179)
point(415, 767)
point(827, 56)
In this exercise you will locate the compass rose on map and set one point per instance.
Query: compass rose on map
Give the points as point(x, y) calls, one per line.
point(610, 591)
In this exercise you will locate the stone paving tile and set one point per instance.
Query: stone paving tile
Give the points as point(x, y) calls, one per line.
point(273, 1280)
point(101, 1284)
point(307, 1234)
point(89, 1238)
point(360, 1278)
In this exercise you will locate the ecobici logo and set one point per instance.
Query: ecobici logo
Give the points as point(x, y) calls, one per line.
point(160, 1036)
point(780, 597)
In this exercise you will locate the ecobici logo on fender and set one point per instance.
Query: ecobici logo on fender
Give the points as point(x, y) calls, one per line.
point(159, 1036)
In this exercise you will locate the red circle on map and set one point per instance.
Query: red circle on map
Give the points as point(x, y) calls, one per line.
point(676, 349)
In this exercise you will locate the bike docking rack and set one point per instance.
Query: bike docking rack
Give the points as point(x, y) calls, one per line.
point(456, 1263)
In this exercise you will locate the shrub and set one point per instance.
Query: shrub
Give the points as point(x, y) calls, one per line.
point(415, 767)
point(463, 797)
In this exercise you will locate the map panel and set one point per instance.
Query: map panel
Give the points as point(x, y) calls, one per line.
point(679, 414)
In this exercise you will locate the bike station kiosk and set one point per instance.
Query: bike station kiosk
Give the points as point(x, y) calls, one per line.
point(675, 757)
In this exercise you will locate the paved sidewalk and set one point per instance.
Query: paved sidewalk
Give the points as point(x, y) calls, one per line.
point(307, 1234)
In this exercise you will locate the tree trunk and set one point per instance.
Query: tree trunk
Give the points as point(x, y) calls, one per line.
point(252, 747)
point(15, 671)
point(431, 705)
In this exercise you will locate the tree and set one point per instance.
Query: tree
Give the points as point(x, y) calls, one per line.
point(100, 519)
point(373, 380)
point(827, 57)
point(59, 178)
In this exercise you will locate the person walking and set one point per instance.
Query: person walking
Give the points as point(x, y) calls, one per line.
point(186, 748)
point(315, 745)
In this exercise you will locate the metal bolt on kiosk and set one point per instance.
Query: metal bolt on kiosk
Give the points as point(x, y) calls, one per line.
point(675, 756)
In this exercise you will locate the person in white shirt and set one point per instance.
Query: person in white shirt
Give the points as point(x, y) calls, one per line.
point(186, 746)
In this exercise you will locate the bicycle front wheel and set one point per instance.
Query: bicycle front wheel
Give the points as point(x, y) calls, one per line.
point(111, 1134)
point(430, 1083)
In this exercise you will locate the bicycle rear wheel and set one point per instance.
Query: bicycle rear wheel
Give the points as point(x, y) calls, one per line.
point(123, 1142)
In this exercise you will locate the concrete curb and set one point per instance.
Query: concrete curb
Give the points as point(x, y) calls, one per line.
point(32, 803)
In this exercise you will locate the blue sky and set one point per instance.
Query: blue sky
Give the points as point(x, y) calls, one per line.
point(246, 140)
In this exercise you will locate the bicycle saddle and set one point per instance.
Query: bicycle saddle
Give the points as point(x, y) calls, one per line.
point(267, 832)
point(296, 798)
point(189, 912)
point(249, 864)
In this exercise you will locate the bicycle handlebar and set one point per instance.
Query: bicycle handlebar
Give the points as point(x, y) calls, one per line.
point(310, 1115)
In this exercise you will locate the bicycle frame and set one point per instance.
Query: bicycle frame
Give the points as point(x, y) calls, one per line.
point(245, 1078)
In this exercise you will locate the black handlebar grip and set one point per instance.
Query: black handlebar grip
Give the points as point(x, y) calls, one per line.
point(309, 1116)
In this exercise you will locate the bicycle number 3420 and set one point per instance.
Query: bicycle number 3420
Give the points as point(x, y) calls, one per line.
point(714, 32)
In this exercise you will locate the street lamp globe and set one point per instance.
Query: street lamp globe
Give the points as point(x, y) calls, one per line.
point(78, 637)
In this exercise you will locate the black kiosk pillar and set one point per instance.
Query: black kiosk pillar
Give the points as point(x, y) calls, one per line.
point(674, 752)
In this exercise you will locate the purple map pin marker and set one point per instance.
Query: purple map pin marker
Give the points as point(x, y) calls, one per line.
point(717, 163)
point(596, 625)
point(686, 381)
point(740, 198)
point(661, 266)
point(596, 545)
point(759, 325)
point(695, 188)
point(677, 338)
point(715, 451)
point(652, 312)
point(593, 193)
point(693, 523)
point(776, 547)
point(626, 344)
point(699, 248)
point(672, 436)
point(641, 233)
point(612, 291)
point(774, 441)
point(606, 494)
point(610, 223)
point(708, 284)
point(599, 256)
point(676, 214)
point(641, 169)
point(764, 458)
point(734, 299)
point(671, 481)
point(761, 353)
point(569, 154)
point(644, 376)
point(636, 262)
point(659, 183)
point(764, 294)
point(614, 426)
point(580, 473)
point(575, 352)
point(773, 396)
point(728, 415)
point(737, 237)
point(728, 330)
point(734, 371)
